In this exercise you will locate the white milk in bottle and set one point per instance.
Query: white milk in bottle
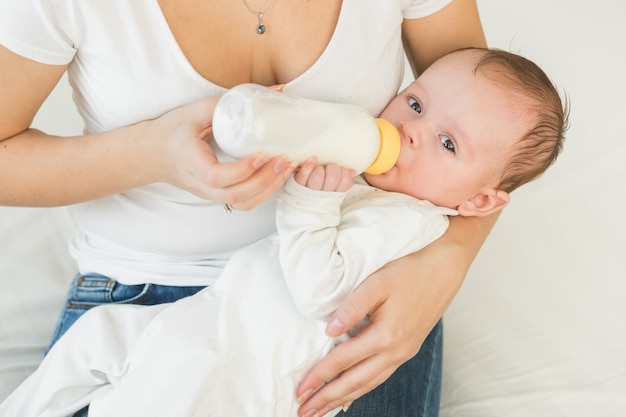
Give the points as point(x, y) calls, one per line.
point(251, 119)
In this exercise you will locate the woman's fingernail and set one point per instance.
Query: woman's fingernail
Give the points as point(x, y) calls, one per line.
point(259, 160)
point(289, 170)
point(279, 166)
point(346, 406)
point(334, 326)
point(305, 396)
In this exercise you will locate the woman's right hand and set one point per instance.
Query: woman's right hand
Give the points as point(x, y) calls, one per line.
point(183, 158)
point(45, 170)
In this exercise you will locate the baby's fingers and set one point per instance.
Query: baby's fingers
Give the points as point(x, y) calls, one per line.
point(347, 179)
point(304, 172)
point(337, 178)
point(325, 178)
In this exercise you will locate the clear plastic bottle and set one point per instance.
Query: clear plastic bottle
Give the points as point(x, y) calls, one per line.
point(252, 119)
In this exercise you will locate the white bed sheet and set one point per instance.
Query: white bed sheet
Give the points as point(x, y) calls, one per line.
point(538, 328)
point(35, 271)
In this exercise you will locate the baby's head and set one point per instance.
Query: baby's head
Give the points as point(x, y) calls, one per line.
point(476, 125)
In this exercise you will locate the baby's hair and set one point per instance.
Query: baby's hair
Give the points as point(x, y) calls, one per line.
point(540, 146)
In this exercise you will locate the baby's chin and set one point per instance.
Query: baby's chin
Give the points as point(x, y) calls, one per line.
point(388, 181)
point(379, 181)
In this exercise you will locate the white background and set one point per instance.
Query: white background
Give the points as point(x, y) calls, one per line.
point(539, 328)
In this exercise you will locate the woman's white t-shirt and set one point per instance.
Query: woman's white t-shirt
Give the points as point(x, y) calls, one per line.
point(125, 67)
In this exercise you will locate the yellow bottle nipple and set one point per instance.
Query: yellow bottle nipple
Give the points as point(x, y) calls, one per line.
point(389, 148)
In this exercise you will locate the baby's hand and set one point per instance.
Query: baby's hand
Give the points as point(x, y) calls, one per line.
point(324, 178)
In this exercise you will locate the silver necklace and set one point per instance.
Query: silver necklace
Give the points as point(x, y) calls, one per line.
point(260, 27)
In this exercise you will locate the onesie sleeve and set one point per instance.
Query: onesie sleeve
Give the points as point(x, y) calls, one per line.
point(41, 30)
point(331, 242)
point(413, 9)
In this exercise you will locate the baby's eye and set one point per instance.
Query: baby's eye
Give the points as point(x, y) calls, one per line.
point(415, 105)
point(447, 143)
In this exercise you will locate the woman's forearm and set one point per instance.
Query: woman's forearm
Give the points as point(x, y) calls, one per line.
point(467, 235)
point(43, 170)
point(446, 262)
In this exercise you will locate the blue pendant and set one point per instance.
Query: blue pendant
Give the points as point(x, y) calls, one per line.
point(260, 28)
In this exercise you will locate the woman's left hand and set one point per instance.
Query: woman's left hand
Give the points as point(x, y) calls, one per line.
point(403, 306)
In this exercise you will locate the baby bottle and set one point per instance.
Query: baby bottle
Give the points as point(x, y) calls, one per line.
point(252, 119)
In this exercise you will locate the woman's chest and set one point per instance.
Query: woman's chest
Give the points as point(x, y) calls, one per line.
point(221, 39)
point(134, 64)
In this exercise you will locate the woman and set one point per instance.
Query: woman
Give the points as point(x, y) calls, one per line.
point(152, 202)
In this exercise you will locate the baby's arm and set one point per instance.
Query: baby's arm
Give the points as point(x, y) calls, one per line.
point(329, 246)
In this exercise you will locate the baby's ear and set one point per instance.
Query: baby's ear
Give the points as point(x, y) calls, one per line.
point(487, 201)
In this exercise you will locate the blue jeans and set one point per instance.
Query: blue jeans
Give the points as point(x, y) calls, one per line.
point(412, 391)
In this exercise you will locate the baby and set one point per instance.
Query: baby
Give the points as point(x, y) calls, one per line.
point(474, 126)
